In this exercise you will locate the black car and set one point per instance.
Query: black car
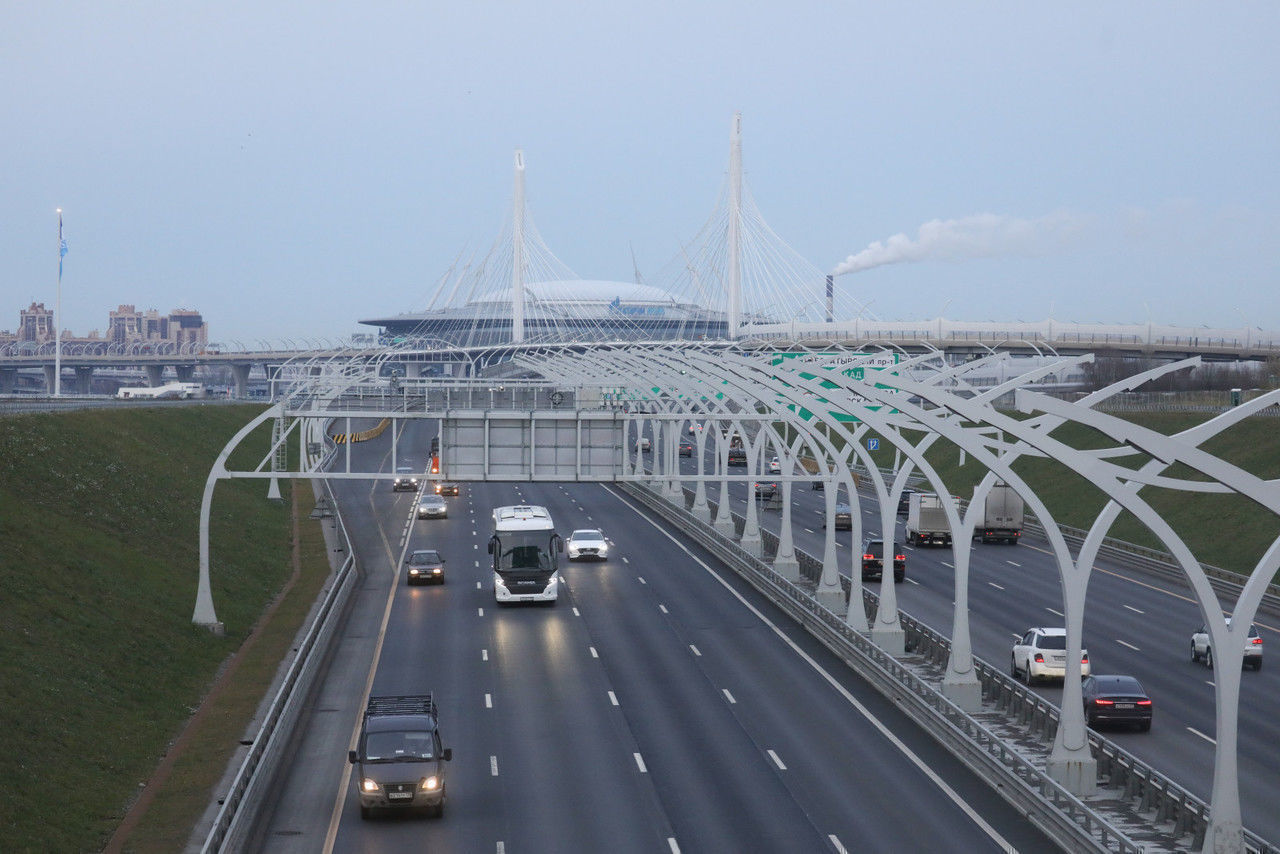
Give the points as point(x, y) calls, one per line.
point(446, 487)
point(904, 502)
point(425, 566)
point(737, 457)
point(844, 518)
point(766, 489)
point(1116, 699)
point(686, 448)
point(873, 560)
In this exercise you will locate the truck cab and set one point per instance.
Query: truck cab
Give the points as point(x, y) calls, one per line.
point(399, 759)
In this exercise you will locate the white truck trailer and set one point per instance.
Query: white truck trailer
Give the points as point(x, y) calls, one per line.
point(927, 521)
point(1002, 517)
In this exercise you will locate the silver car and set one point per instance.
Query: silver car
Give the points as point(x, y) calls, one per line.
point(587, 543)
point(1202, 651)
point(432, 506)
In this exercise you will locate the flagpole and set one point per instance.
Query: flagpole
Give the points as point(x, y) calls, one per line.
point(57, 319)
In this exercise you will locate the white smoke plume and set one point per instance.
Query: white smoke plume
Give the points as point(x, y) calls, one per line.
point(978, 236)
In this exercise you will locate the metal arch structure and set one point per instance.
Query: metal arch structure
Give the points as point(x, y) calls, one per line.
point(746, 388)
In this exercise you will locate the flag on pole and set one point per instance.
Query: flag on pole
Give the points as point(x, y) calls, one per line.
point(62, 246)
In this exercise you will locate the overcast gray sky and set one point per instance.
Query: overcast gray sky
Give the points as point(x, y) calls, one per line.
point(288, 169)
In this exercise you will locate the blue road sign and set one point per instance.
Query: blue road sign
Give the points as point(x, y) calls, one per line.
point(873, 444)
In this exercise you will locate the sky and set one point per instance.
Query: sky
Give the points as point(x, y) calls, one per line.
point(289, 169)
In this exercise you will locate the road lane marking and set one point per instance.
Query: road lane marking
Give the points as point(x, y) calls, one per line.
point(695, 650)
point(484, 655)
point(493, 766)
point(944, 563)
point(728, 696)
point(624, 560)
point(575, 611)
point(835, 684)
point(477, 585)
point(1135, 610)
point(1058, 613)
point(777, 761)
point(662, 608)
point(640, 763)
point(1194, 731)
point(671, 843)
point(916, 583)
point(488, 701)
point(594, 654)
point(641, 578)
point(1011, 563)
point(996, 586)
point(481, 611)
point(613, 698)
point(835, 843)
point(1131, 646)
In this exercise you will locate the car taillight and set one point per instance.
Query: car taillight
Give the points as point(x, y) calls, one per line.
point(1144, 702)
point(1099, 701)
point(1039, 658)
point(868, 557)
point(1084, 658)
point(899, 557)
point(1256, 641)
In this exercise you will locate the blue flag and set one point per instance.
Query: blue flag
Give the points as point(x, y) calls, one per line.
point(62, 253)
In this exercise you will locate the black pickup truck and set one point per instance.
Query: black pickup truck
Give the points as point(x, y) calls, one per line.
point(399, 759)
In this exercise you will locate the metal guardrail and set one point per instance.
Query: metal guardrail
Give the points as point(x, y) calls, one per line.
point(234, 821)
point(1133, 781)
point(1067, 819)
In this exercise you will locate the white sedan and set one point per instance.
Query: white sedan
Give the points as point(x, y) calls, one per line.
point(775, 467)
point(587, 543)
point(1041, 653)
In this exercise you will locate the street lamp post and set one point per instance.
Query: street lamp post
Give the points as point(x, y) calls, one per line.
point(57, 315)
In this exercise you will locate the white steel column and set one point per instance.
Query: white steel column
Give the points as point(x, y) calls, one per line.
point(517, 253)
point(735, 226)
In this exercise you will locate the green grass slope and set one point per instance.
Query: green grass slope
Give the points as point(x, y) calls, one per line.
point(99, 514)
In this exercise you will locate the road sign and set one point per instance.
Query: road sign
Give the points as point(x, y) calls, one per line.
point(873, 444)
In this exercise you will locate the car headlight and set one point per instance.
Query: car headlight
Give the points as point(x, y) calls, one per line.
point(413, 572)
point(436, 571)
point(369, 785)
point(604, 549)
point(497, 582)
point(430, 784)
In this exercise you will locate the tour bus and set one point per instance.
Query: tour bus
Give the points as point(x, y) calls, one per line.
point(526, 554)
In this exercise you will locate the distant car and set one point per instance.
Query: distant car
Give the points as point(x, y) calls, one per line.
point(873, 560)
point(686, 448)
point(425, 566)
point(446, 487)
point(765, 489)
point(695, 427)
point(1116, 699)
point(775, 467)
point(587, 543)
point(406, 480)
point(644, 444)
point(737, 457)
point(1202, 651)
point(1041, 653)
point(844, 518)
point(432, 506)
point(904, 501)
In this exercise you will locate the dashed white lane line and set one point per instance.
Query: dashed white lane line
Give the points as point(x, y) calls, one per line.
point(695, 650)
point(1135, 610)
point(477, 585)
point(624, 560)
point(836, 844)
point(640, 763)
point(594, 654)
point(484, 655)
point(613, 699)
point(481, 611)
point(488, 701)
point(1011, 563)
point(502, 848)
point(728, 696)
point(641, 579)
point(996, 586)
point(944, 563)
point(777, 761)
point(916, 583)
point(1194, 731)
point(807, 531)
point(662, 608)
point(671, 842)
point(1057, 613)
point(575, 611)
point(1131, 646)
point(493, 766)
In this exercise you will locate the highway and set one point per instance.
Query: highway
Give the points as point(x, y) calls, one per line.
point(1134, 624)
point(660, 705)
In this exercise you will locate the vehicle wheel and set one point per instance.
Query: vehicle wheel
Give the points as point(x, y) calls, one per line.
point(1144, 726)
point(1257, 665)
point(1194, 655)
point(1208, 657)
point(1013, 667)
point(365, 812)
point(899, 577)
point(1026, 675)
point(1089, 720)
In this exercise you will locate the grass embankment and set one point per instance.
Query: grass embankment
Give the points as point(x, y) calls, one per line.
point(1223, 530)
point(102, 667)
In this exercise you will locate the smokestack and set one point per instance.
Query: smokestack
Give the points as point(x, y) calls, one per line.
point(831, 299)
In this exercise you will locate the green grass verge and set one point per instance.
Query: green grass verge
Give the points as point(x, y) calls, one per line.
point(99, 516)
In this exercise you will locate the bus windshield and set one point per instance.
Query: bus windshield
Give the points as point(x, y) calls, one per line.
point(524, 550)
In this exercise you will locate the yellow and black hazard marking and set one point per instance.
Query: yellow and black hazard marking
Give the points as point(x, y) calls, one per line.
point(363, 435)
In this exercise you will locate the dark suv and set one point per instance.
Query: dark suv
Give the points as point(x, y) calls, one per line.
point(873, 560)
point(399, 760)
point(843, 520)
point(737, 457)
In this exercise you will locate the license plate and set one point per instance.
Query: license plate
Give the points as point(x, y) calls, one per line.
point(1124, 705)
point(400, 796)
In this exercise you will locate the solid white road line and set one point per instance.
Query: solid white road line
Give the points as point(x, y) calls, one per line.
point(777, 761)
point(1202, 735)
point(728, 696)
point(866, 713)
point(640, 763)
point(1131, 646)
point(835, 843)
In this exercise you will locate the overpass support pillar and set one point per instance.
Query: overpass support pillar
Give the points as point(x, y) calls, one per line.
point(724, 516)
point(701, 510)
point(84, 379)
point(784, 562)
point(155, 375)
point(8, 379)
point(50, 379)
point(240, 379)
point(186, 373)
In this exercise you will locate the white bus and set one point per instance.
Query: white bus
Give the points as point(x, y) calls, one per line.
point(526, 554)
point(177, 391)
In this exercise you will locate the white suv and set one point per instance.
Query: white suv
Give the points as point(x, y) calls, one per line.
point(1041, 653)
point(1201, 651)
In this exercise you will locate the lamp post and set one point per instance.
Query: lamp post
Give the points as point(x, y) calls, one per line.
point(57, 316)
